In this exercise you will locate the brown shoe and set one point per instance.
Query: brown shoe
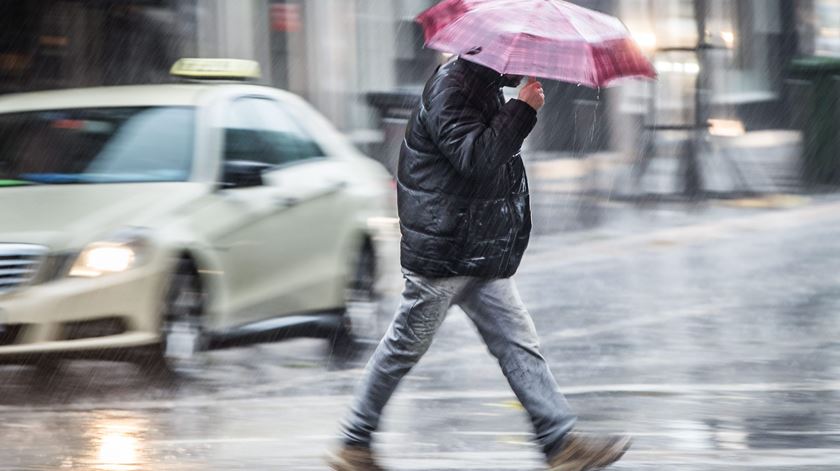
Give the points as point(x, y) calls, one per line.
point(353, 458)
point(586, 452)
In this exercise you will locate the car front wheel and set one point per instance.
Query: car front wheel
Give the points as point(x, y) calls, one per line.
point(183, 336)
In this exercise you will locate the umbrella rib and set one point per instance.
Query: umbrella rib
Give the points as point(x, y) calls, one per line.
point(508, 54)
point(569, 18)
point(577, 10)
point(451, 25)
point(512, 46)
point(591, 68)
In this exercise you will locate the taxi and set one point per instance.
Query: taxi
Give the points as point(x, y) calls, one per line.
point(159, 221)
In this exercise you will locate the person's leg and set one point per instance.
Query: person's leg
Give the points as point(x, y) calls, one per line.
point(422, 310)
point(506, 327)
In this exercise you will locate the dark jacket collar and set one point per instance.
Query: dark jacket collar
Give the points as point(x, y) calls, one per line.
point(482, 74)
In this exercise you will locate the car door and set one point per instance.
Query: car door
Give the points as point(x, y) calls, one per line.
point(308, 187)
point(280, 226)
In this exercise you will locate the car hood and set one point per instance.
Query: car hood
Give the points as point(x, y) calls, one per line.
point(70, 216)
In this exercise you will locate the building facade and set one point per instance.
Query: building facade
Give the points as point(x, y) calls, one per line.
point(65, 43)
point(337, 53)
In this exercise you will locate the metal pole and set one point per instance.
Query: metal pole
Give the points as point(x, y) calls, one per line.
point(693, 178)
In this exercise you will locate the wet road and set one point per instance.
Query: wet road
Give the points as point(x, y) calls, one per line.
point(713, 338)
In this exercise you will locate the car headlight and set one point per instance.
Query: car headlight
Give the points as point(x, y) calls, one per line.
point(117, 254)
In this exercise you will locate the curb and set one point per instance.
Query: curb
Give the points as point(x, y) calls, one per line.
point(541, 259)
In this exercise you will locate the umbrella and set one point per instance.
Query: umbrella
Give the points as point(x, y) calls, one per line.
point(552, 39)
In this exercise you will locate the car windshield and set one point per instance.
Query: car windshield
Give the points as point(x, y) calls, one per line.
point(96, 145)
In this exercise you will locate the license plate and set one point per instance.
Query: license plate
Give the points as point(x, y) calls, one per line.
point(180, 343)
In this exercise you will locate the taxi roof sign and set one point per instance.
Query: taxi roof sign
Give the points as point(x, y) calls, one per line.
point(219, 69)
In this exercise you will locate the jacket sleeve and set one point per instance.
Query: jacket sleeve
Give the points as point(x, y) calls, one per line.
point(476, 148)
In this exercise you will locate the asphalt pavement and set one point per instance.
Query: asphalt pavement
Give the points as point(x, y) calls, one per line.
point(710, 334)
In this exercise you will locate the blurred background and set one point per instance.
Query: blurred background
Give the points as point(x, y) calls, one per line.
point(362, 64)
point(683, 277)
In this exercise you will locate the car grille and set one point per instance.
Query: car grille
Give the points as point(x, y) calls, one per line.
point(19, 264)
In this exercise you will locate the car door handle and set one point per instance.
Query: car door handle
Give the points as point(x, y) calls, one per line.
point(334, 187)
point(285, 201)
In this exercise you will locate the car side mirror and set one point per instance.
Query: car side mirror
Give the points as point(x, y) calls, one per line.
point(242, 174)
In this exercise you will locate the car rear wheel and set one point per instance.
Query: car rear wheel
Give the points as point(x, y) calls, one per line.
point(361, 321)
point(183, 336)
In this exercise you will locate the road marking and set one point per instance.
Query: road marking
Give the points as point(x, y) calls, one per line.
point(341, 400)
point(778, 201)
point(509, 404)
point(518, 460)
point(510, 434)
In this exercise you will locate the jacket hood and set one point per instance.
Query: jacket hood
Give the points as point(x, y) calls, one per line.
point(490, 76)
point(479, 72)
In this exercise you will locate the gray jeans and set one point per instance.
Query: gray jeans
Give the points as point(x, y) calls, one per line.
point(504, 324)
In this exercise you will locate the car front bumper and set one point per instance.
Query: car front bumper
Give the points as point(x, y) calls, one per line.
point(75, 315)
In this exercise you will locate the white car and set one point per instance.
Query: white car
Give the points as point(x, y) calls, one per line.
point(176, 218)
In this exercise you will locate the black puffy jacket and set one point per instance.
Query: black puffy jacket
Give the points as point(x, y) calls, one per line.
point(462, 191)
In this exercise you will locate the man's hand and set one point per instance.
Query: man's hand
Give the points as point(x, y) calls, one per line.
point(532, 93)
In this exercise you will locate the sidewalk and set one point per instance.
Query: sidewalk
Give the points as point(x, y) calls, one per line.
point(627, 228)
point(755, 171)
point(759, 162)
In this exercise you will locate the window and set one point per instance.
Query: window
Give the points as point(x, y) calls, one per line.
point(96, 145)
point(742, 65)
point(827, 26)
point(259, 130)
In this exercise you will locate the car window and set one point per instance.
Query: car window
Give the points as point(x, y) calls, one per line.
point(97, 145)
point(260, 130)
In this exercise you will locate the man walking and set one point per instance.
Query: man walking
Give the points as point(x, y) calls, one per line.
point(465, 220)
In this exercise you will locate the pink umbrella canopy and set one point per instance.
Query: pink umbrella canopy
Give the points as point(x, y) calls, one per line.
point(551, 39)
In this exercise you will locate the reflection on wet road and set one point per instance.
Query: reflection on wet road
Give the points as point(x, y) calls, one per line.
point(715, 345)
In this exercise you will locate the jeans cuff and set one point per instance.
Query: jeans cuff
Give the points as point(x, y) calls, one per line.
point(355, 440)
point(555, 446)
